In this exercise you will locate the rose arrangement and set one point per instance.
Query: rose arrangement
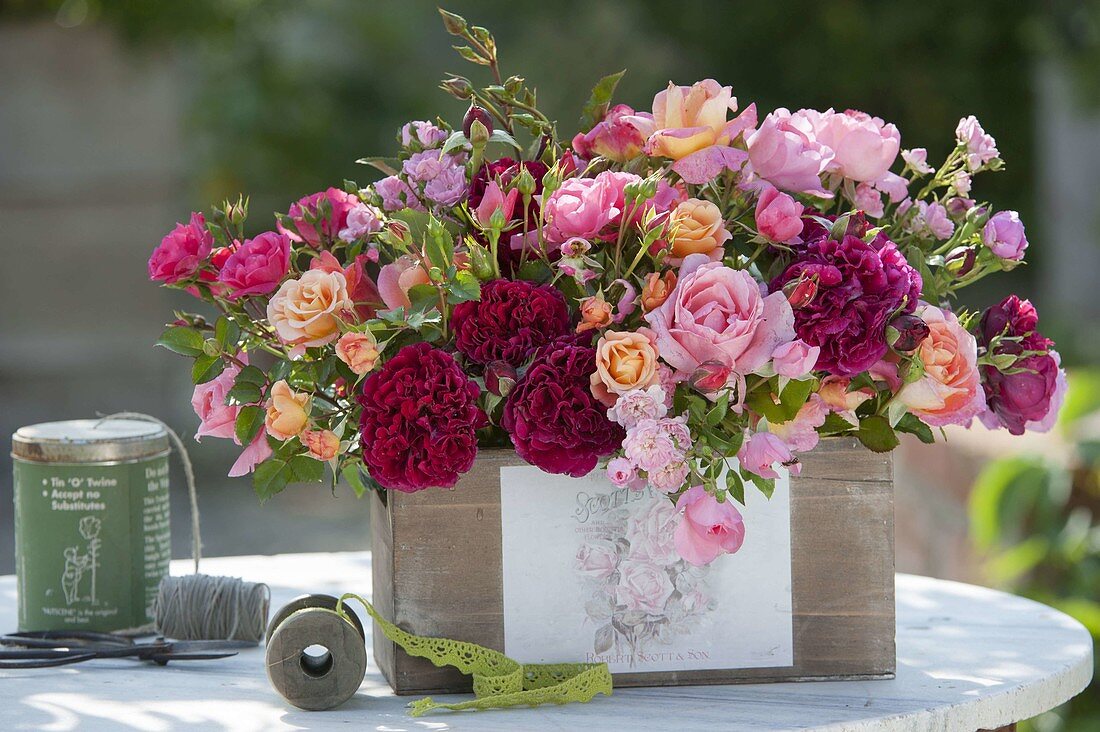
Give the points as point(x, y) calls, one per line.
point(689, 296)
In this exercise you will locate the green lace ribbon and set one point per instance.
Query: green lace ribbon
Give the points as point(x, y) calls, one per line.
point(499, 681)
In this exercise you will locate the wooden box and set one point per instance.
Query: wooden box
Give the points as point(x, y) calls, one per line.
point(437, 571)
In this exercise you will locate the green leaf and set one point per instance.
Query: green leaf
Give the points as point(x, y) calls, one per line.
point(504, 137)
point(876, 434)
point(252, 375)
point(835, 424)
point(183, 340)
point(353, 475)
point(423, 297)
point(912, 425)
point(250, 420)
point(455, 140)
point(417, 221)
point(227, 333)
point(245, 393)
point(206, 368)
point(735, 485)
point(794, 397)
point(599, 101)
point(305, 469)
point(464, 287)
point(765, 485)
point(273, 475)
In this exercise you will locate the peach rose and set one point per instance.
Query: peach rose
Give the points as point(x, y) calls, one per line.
point(656, 289)
point(624, 361)
point(689, 126)
point(358, 350)
point(595, 313)
point(836, 397)
point(397, 278)
point(307, 311)
point(697, 228)
point(322, 444)
point(287, 411)
point(950, 391)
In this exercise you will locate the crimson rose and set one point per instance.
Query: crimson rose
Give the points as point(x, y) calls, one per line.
point(510, 322)
point(420, 420)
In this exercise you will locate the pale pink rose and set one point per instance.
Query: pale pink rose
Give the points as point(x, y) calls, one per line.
point(800, 433)
point(980, 147)
point(931, 219)
point(321, 444)
point(396, 278)
point(362, 220)
point(778, 216)
point(869, 200)
point(308, 311)
point(795, 359)
point(1004, 235)
point(893, 185)
point(864, 147)
point(649, 445)
point(582, 207)
point(838, 400)
point(708, 528)
point(643, 587)
point(652, 533)
point(961, 182)
point(691, 128)
point(620, 471)
point(597, 559)
point(637, 404)
point(257, 451)
point(917, 159)
point(216, 418)
point(762, 451)
point(950, 391)
point(619, 136)
point(670, 478)
point(784, 152)
point(423, 132)
point(396, 195)
point(717, 313)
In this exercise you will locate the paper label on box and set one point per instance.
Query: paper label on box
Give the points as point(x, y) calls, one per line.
point(591, 573)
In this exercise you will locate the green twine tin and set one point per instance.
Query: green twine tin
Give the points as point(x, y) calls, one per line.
point(92, 539)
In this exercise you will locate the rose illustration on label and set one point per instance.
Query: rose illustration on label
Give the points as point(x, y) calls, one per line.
point(641, 592)
point(77, 564)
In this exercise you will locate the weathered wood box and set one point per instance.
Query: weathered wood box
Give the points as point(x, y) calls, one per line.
point(438, 571)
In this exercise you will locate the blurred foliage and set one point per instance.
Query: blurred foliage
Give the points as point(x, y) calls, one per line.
point(1038, 525)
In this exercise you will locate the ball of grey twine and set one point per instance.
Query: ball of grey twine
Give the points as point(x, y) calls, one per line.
point(202, 606)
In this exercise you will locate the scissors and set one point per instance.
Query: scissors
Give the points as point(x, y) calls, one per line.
point(46, 649)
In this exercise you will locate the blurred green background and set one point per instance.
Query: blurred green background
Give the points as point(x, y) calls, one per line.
point(119, 117)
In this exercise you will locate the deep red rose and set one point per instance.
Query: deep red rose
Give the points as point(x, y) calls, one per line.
point(511, 321)
point(555, 422)
point(420, 419)
point(860, 286)
point(1024, 397)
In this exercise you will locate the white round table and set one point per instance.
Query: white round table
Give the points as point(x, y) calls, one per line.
point(969, 658)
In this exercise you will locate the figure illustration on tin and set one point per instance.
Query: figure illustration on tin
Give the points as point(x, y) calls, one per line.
point(76, 564)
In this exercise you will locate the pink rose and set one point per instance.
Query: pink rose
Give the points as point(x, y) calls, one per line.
point(869, 200)
point(778, 216)
point(495, 200)
point(717, 313)
point(762, 451)
point(218, 419)
point(784, 152)
point(864, 147)
point(691, 128)
point(309, 226)
point(643, 587)
point(950, 391)
point(980, 147)
point(257, 267)
point(931, 219)
point(619, 136)
point(581, 207)
point(1004, 235)
point(707, 528)
point(362, 220)
point(597, 559)
point(795, 359)
point(397, 278)
point(620, 471)
point(182, 252)
point(917, 159)
point(652, 533)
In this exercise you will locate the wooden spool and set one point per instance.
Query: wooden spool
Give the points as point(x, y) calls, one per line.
point(315, 681)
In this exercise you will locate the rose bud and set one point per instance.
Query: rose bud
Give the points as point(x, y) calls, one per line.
point(398, 229)
point(458, 87)
point(710, 376)
point(961, 261)
point(477, 114)
point(500, 378)
point(906, 332)
point(801, 292)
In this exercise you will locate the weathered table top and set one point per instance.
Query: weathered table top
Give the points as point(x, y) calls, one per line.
point(968, 658)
